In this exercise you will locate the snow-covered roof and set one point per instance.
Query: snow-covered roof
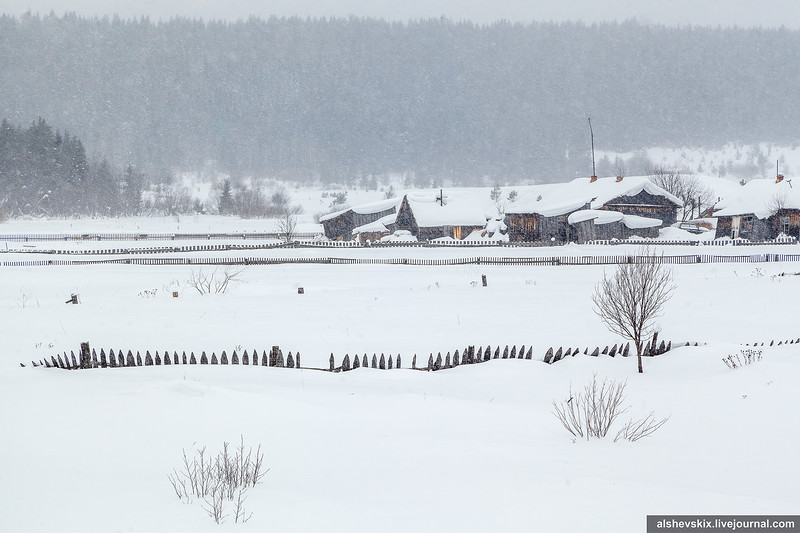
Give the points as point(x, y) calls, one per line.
point(761, 198)
point(377, 226)
point(457, 211)
point(366, 209)
point(599, 217)
point(573, 195)
point(637, 222)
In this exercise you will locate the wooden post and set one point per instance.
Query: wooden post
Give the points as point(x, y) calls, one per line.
point(86, 356)
point(483, 280)
point(273, 357)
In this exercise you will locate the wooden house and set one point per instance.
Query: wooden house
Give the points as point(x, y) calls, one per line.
point(428, 217)
point(340, 226)
point(597, 224)
point(761, 210)
point(546, 217)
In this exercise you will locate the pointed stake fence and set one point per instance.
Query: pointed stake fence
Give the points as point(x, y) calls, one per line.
point(88, 358)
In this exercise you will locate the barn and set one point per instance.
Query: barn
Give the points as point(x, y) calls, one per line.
point(546, 218)
point(430, 217)
point(762, 209)
point(340, 225)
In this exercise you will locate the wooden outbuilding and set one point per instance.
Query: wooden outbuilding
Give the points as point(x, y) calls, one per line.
point(429, 217)
point(340, 226)
point(546, 217)
point(763, 209)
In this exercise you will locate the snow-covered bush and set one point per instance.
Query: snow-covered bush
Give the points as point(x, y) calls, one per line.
point(591, 413)
point(224, 478)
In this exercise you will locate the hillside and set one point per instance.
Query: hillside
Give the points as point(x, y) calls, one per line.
point(335, 100)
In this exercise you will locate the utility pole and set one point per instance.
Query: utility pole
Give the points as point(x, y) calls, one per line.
point(594, 172)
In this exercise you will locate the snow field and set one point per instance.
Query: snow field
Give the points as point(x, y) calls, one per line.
point(474, 448)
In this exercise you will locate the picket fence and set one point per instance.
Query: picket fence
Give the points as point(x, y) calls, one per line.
point(38, 237)
point(314, 240)
point(482, 260)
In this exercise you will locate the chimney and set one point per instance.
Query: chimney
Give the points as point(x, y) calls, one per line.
point(592, 179)
point(619, 178)
point(779, 179)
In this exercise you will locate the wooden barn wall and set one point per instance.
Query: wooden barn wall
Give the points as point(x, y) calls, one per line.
point(405, 219)
point(339, 228)
point(647, 205)
point(522, 227)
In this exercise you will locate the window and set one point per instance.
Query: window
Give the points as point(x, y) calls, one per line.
point(784, 226)
point(747, 223)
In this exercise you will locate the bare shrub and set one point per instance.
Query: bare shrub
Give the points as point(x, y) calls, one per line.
point(215, 282)
point(593, 412)
point(638, 429)
point(744, 357)
point(226, 478)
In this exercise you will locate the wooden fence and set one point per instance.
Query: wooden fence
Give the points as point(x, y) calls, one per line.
point(88, 358)
point(307, 239)
point(483, 260)
point(36, 237)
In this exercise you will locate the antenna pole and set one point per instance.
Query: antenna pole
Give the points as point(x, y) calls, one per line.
point(594, 172)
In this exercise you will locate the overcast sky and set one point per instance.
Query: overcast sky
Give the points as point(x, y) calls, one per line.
point(767, 13)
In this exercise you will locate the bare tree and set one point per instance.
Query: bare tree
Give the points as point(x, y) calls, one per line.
point(685, 186)
point(629, 301)
point(778, 202)
point(287, 224)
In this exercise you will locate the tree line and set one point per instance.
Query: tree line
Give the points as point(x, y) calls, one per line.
point(335, 100)
point(46, 172)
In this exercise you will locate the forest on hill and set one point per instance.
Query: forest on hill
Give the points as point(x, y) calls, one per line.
point(334, 100)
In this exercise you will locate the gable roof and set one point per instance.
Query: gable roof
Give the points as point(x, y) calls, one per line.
point(575, 194)
point(366, 209)
point(761, 198)
point(460, 210)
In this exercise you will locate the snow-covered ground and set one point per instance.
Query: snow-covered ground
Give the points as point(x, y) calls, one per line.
point(474, 448)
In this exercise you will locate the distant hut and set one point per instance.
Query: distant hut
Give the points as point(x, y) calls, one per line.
point(762, 209)
point(340, 226)
point(430, 217)
point(546, 217)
